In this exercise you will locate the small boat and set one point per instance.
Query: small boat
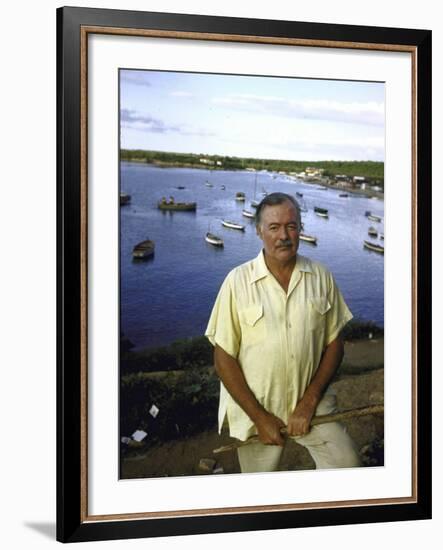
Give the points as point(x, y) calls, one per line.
point(343, 195)
point(143, 250)
point(240, 196)
point(233, 225)
point(372, 232)
point(322, 188)
point(180, 187)
point(321, 211)
point(177, 206)
point(124, 199)
point(213, 239)
point(382, 237)
point(223, 187)
point(308, 238)
point(248, 214)
point(374, 218)
point(374, 247)
point(299, 194)
point(254, 204)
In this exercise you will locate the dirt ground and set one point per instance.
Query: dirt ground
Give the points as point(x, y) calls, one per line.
point(359, 383)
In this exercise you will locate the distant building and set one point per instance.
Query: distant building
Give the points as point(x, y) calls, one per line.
point(207, 161)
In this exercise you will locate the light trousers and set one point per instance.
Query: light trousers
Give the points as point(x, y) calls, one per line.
point(329, 445)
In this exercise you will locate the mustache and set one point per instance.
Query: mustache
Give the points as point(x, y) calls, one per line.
point(285, 243)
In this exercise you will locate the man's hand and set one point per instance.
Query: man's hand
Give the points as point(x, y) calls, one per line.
point(299, 422)
point(268, 427)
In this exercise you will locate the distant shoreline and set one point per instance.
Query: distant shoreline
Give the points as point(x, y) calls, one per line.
point(164, 164)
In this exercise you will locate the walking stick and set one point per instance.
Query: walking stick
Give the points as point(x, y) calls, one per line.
point(323, 419)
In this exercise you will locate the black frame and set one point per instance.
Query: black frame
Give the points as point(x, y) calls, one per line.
point(71, 526)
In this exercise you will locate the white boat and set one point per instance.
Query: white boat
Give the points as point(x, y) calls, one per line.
point(213, 239)
point(308, 238)
point(233, 225)
point(372, 232)
point(240, 196)
point(208, 184)
point(374, 218)
point(248, 214)
point(374, 247)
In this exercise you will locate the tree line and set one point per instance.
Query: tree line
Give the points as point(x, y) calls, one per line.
point(372, 170)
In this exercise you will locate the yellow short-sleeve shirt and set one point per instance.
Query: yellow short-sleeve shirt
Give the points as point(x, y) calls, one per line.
point(277, 337)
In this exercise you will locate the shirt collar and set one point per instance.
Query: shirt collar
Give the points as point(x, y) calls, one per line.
point(260, 269)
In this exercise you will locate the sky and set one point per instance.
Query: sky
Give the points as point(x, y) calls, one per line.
point(252, 116)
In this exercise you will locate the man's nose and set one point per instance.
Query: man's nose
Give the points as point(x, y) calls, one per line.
point(284, 235)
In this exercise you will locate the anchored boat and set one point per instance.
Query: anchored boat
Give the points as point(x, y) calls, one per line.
point(143, 250)
point(372, 232)
point(213, 239)
point(374, 247)
point(240, 196)
point(124, 199)
point(308, 238)
point(233, 225)
point(181, 206)
point(248, 214)
point(323, 212)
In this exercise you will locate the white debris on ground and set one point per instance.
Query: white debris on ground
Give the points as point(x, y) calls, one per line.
point(139, 435)
point(154, 410)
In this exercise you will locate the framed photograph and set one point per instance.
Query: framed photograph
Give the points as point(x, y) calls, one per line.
point(178, 135)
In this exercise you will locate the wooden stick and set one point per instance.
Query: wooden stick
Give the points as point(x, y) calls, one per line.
point(323, 419)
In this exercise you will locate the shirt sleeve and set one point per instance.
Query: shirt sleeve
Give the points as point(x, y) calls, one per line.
point(338, 314)
point(223, 327)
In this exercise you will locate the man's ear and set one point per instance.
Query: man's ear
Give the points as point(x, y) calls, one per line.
point(258, 231)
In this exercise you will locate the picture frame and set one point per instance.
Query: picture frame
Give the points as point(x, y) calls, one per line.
point(75, 212)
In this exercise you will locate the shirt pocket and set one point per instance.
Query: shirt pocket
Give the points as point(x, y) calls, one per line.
point(319, 306)
point(252, 324)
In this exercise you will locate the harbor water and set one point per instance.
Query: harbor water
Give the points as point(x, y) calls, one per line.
point(170, 296)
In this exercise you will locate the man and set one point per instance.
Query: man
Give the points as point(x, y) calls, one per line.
point(275, 328)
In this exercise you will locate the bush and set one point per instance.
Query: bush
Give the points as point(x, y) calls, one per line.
point(187, 404)
point(180, 355)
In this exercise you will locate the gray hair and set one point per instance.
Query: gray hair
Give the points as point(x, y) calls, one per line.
point(274, 199)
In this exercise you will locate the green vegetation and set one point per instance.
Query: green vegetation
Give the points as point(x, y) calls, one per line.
point(187, 404)
point(372, 171)
point(180, 355)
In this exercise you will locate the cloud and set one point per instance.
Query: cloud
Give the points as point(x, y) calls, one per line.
point(370, 112)
point(138, 78)
point(146, 123)
point(180, 93)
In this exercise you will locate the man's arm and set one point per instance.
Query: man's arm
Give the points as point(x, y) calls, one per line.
point(299, 421)
point(229, 370)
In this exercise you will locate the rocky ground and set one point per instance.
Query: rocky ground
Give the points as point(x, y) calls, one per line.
point(359, 383)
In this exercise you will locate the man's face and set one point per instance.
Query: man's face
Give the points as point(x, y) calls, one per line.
point(278, 229)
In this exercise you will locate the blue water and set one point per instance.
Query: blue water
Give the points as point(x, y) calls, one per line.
point(171, 295)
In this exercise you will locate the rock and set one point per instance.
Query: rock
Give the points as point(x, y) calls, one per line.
point(206, 464)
